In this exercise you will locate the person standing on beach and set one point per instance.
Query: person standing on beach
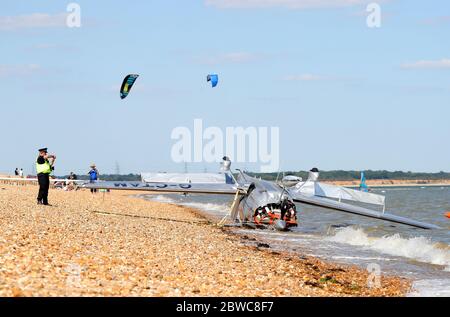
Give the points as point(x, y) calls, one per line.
point(44, 169)
point(21, 173)
point(93, 177)
point(16, 172)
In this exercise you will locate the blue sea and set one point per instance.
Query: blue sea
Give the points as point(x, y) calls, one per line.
point(421, 255)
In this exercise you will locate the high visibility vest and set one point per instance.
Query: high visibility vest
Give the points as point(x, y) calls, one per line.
point(45, 168)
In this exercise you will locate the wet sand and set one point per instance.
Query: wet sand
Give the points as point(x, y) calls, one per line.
point(118, 245)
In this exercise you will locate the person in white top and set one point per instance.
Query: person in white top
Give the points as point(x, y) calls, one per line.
point(21, 172)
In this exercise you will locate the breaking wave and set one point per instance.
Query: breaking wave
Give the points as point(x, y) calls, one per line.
point(160, 198)
point(430, 288)
point(421, 249)
point(209, 207)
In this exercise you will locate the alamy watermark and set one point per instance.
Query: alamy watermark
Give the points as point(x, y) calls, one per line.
point(74, 275)
point(374, 18)
point(73, 19)
point(242, 145)
point(374, 278)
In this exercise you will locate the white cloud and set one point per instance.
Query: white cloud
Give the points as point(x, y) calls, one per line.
point(32, 21)
point(437, 20)
point(51, 47)
point(290, 4)
point(19, 70)
point(229, 58)
point(305, 77)
point(428, 64)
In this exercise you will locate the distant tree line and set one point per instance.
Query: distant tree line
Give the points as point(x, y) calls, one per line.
point(338, 175)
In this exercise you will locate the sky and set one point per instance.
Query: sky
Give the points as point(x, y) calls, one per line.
point(344, 95)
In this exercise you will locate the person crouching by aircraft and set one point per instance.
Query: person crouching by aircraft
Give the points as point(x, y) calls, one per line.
point(44, 169)
point(93, 177)
point(288, 209)
point(70, 183)
point(73, 176)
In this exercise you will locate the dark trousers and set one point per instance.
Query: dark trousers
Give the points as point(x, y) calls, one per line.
point(44, 185)
point(93, 190)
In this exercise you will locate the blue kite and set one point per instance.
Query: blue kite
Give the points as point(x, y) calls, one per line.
point(214, 79)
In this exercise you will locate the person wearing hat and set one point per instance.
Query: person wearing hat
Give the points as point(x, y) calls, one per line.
point(93, 176)
point(44, 169)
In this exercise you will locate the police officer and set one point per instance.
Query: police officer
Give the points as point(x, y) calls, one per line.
point(43, 169)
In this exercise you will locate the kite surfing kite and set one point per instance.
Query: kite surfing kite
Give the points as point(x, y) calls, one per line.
point(213, 78)
point(128, 82)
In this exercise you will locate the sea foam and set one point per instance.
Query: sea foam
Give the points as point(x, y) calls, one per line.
point(209, 207)
point(420, 248)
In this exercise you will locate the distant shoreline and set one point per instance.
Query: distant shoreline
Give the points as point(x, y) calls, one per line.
point(392, 183)
point(346, 183)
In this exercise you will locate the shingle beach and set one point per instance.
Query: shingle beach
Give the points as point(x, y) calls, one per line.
point(119, 245)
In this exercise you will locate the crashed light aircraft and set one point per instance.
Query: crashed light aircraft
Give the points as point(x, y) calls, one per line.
point(261, 203)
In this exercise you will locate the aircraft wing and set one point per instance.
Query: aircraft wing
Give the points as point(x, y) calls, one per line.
point(310, 188)
point(195, 188)
point(357, 210)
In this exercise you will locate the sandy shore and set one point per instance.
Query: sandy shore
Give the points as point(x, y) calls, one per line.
point(392, 182)
point(125, 246)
